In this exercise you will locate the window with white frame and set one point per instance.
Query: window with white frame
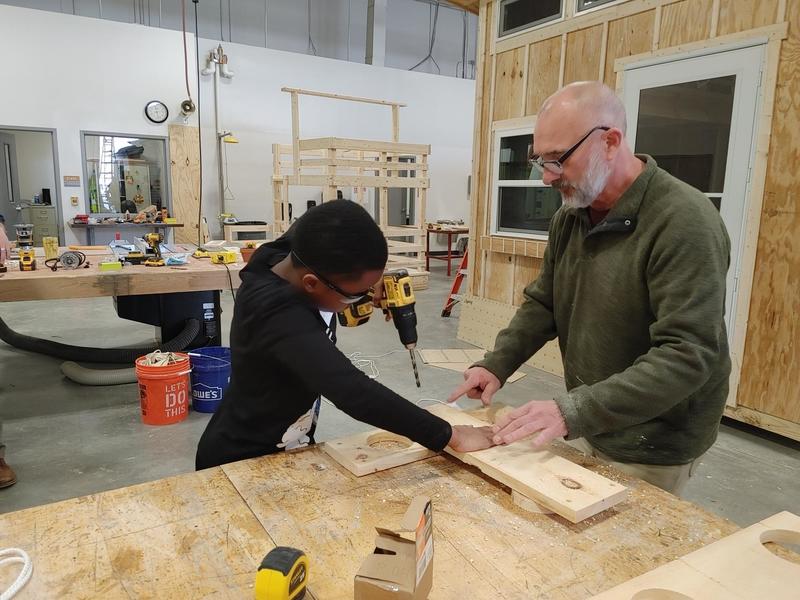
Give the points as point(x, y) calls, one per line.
point(587, 4)
point(522, 204)
point(516, 15)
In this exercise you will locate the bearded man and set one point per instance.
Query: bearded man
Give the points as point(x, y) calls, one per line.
point(633, 286)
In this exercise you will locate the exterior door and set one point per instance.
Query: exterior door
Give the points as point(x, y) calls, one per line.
point(696, 116)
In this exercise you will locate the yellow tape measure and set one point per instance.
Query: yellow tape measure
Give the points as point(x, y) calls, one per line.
point(283, 575)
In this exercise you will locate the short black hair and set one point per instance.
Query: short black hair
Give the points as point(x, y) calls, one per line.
point(339, 237)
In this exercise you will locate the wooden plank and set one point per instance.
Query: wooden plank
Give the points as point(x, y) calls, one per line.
point(296, 135)
point(296, 91)
point(762, 420)
point(526, 270)
point(184, 156)
point(737, 567)
point(509, 88)
point(373, 451)
point(366, 145)
point(543, 66)
point(483, 97)
point(463, 366)
point(188, 536)
point(684, 22)
point(44, 284)
point(741, 15)
point(628, 36)
point(395, 123)
point(582, 61)
point(564, 487)
point(368, 165)
point(363, 180)
point(499, 270)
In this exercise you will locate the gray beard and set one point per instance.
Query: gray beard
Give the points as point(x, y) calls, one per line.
point(586, 192)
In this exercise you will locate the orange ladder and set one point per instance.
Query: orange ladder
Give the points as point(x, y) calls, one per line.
point(454, 296)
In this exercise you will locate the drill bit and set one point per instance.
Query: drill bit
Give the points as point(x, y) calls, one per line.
point(414, 365)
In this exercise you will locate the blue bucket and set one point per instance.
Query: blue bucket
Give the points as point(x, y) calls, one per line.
point(211, 373)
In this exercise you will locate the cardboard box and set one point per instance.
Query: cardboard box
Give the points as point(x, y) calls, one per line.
point(401, 566)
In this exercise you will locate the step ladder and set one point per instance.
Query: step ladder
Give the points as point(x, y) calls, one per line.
point(454, 297)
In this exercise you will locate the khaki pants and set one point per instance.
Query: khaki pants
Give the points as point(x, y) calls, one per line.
point(672, 478)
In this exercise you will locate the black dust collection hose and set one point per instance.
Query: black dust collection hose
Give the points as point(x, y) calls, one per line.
point(84, 376)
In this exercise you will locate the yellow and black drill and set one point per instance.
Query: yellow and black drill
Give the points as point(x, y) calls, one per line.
point(398, 301)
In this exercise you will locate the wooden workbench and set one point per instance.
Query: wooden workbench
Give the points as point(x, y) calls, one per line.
point(203, 534)
point(44, 284)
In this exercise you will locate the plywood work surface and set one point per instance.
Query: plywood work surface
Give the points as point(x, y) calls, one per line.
point(202, 535)
point(737, 567)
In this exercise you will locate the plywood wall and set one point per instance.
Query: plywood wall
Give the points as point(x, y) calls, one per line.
point(184, 154)
point(519, 72)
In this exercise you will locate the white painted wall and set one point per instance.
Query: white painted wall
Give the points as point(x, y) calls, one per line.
point(252, 106)
point(54, 88)
point(34, 162)
point(86, 74)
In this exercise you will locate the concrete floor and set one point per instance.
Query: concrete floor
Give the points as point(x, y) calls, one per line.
point(66, 440)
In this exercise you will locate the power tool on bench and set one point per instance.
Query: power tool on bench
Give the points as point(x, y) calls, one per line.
point(399, 301)
point(154, 241)
point(282, 575)
point(27, 256)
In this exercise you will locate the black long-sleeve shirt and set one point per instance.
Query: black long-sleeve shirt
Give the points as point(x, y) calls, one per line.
point(282, 360)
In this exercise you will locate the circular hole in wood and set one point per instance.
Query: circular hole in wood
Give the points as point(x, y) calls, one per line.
point(570, 483)
point(783, 543)
point(659, 594)
point(388, 441)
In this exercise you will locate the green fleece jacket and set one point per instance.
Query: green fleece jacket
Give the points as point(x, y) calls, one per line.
point(638, 304)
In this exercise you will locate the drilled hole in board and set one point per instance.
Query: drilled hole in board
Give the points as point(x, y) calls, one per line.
point(570, 483)
point(388, 441)
point(659, 594)
point(783, 543)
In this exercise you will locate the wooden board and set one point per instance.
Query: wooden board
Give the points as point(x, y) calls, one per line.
point(684, 22)
point(499, 285)
point(184, 156)
point(737, 567)
point(189, 536)
point(582, 61)
point(373, 451)
point(526, 270)
point(562, 486)
point(740, 15)
point(544, 59)
point(458, 359)
point(481, 320)
point(509, 85)
point(44, 284)
point(626, 37)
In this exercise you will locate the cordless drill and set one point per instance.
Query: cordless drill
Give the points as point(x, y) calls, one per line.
point(398, 301)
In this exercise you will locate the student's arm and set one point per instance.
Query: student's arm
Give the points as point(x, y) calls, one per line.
point(304, 349)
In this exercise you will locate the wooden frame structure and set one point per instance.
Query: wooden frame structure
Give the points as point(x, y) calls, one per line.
point(333, 163)
point(518, 71)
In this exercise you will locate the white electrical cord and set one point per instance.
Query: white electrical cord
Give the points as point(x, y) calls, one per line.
point(11, 556)
point(367, 363)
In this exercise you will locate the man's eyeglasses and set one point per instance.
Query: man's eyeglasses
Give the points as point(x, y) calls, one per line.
point(348, 297)
point(556, 167)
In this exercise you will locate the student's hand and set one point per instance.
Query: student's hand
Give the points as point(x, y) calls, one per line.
point(467, 438)
point(542, 416)
point(478, 383)
point(378, 294)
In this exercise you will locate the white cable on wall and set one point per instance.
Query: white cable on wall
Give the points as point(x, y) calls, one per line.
point(11, 556)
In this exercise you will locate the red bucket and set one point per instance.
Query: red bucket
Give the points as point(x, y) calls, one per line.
point(164, 390)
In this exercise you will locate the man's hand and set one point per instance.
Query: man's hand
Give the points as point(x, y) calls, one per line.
point(537, 416)
point(467, 438)
point(478, 383)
